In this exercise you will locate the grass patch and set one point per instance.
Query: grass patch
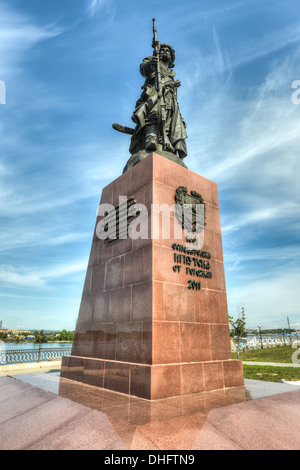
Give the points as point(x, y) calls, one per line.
point(270, 373)
point(283, 354)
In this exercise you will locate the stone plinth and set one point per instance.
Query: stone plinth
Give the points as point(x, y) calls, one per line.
point(141, 330)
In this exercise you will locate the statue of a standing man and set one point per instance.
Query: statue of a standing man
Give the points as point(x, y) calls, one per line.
point(159, 125)
point(148, 133)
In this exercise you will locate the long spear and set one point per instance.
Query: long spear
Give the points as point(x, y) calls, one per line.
point(161, 109)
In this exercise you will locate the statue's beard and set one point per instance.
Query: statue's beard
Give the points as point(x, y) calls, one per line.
point(165, 58)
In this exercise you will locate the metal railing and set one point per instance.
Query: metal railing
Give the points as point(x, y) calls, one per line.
point(19, 356)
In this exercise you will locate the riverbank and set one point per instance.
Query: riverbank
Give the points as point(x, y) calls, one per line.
point(32, 341)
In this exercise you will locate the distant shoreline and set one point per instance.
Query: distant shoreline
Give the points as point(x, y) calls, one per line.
point(34, 342)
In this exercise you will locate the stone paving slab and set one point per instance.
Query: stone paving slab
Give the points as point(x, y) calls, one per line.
point(18, 397)
point(40, 422)
point(261, 424)
point(38, 419)
point(91, 432)
point(210, 438)
point(46, 380)
point(262, 388)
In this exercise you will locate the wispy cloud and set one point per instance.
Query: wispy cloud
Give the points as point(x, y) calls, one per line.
point(20, 277)
point(18, 34)
point(16, 237)
point(263, 216)
point(38, 297)
point(63, 270)
point(11, 276)
point(95, 5)
point(289, 255)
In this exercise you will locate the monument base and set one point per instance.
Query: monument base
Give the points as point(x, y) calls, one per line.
point(153, 320)
point(139, 156)
point(154, 382)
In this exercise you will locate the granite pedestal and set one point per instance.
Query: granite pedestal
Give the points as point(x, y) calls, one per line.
point(143, 329)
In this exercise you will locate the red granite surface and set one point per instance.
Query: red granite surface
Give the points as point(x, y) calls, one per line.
point(86, 417)
point(140, 330)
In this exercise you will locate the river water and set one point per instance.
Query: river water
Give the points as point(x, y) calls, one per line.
point(17, 348)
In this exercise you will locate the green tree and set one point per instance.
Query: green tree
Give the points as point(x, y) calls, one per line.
point(238, 328)
point(65, 336)
point(71, 335)
point(40, 337)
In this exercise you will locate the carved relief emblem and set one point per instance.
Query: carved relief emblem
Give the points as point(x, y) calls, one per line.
point(190, 210)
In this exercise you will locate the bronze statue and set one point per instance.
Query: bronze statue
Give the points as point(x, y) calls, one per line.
point(159, 127)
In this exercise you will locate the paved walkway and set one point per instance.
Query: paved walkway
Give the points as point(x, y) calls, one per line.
point(275, 364)
point(261, 415)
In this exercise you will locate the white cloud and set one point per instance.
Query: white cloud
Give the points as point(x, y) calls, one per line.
point(18, 236)
point(62, 270)
point(95, 5)
point(37, 297)
point(18, 34)
point(20, 277)
point(279, 254)
point(263, 216)
point(12, 276)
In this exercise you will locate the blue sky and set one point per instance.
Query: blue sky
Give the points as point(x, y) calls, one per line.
point(71, 69)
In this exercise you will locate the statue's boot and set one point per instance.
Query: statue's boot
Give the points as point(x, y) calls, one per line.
point(151, 140)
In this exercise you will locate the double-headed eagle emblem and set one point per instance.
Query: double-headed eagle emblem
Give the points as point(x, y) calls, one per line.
point(190, 210)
